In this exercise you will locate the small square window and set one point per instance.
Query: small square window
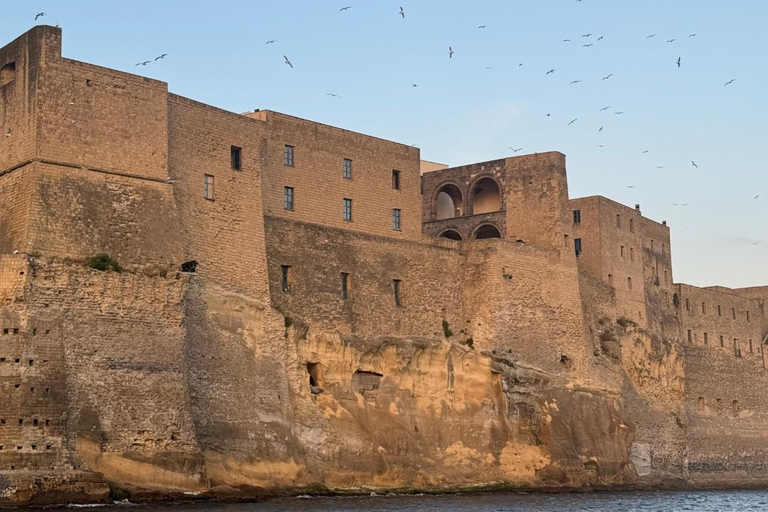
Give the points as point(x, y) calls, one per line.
point(396, 180)
point(396, 219)
point(347, 210)
point(397, 287)
point(288, 198)
point(236, 154)
point(288, 156)
point(344, 285)
point(577, 216)
point(347, 171)
point(286, 278)
point(208, 187)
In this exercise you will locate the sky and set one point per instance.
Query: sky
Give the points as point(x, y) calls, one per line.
point(493, 94)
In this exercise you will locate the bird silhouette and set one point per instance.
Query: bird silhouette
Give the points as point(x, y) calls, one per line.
point(605, 108)
point(482, 26)
point(288, 61)
point(144, 63)
point(414, 85)
point(402, 12)
point(600, 145)
point(692, 35)
point(450, 52)
point(334, 95)
point(587, 35)
point(729, 82)
point(618, 113)
point(600, 38)
point(679, 60)
point(644, 152)
point(671, 40)
point(587, 45)
point(39, 15)
point(515, 150)
point(607, 77)
point(550, 71)
point(573, 121)
point(345, 8)
point(566, 41)
point(650, 36)
point(630, 186)
point(161, 57)
point(758, 195)
point(271, 41)
point(659, 166)
point(601, 129)
point(575, 82)
point(694, 164)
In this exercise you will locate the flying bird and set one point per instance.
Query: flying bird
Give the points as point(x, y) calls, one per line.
point(482, 26)
point(575, 82)
point(566, 41)
point(671, 40)
point(515, 150)
point(678, 61)
point(618, 113)
point(758, 195)
point(271, 41)
point(587, 45)
point(144, 63)
point(607, 77)
point(692, 35)
point(644, 152)
point(587, 35)
point(345, 8)
point(601, 129)
point(334, 95)
point(450, 52)
point(650, 36)
point(630, 186)
point(605, 108)
point(288, 61)
point(600, 38)
point(694, 164)
point(729, 82)
point(402, 13)
point(414, 85)
point(39, 15)
point(573, 121)
point(659, 166)
point(550, 71)
point(161, 57)
point(600, 145)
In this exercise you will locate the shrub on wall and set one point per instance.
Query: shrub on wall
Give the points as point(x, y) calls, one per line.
point(103, 262)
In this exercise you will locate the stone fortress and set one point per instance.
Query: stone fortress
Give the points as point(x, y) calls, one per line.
point(358, 319)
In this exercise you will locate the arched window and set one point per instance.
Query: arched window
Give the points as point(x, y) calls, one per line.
point(486, 197)
point(487, 231)
point(7, 73)
point(449, 202)
point(451, 234)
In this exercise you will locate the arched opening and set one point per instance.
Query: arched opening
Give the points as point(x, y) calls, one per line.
point(451, 234)
point(7, 73)
point(449, 202)
point(486, 197)
point(487, 231)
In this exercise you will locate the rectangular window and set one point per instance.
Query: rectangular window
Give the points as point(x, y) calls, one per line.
point(690, 336)
point(651, 245)
point(288, 155)
point(347, 171)
point(397, 286)
point(631, 254)
point(722, 341)
point(665, 277)
point(285, 278)
point(347, 210)
point(631, 226)
point(618, 220)
point(750, 346)
point(733, 312)
point(288, 198)
point(703, 308)
point(396, 219)
point(629, 283)
point(736, 347)
point(565, 240)
point(622, 251)
point(719, 310)
point(663, 249)
point(687, 305)
point(577, 216)
point(706, 339)
point(610, 279)
point(236, 155)
point(577, 246)
point(747, 316)
point(344, 285)
point(208, 187)
point(396, 180)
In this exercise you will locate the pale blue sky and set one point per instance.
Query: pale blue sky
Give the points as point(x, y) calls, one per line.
point(462, 112)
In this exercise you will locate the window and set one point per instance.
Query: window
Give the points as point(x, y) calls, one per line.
point(703, 308)
point(288, 156)
point(651, 245)
point(687, 305)
point(577, 216)
point(396, 180)
point(719, 310)
point(750, 346)
point(344, 285)
point(663, 249)
point(285, 278)
point(397, 286)
point(631, 225)
point(747, 316)
point(631, 254)
point(733, 312)
point(736, 347)
point(236, 154)
point(565, 240)
point(347, 171)
point(665, 277)
point(706, 339)
point(690, 336)
point(629, 283)
point(622, 251)
point(208, 187)
point(722, 341)
point(610, 279)
point(577, 246)
point(396, 219)
point(288, 198)
point(7, 73)
point(618, 220)
point(347, 210)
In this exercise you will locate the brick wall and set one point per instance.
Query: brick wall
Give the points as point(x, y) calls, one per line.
point(318, 183)
point(15, 200)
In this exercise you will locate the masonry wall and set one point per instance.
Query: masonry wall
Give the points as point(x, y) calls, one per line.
point(318, 183)
point(15, 201)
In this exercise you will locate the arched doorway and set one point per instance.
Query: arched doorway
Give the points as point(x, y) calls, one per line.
point(486, 197)
point(449, 202)
point(487, 231)
point(451, 234)
point(7, 73)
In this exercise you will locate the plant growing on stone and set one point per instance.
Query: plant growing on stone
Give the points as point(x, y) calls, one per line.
point(676, 300)
point(103, 262)
point(447, 329)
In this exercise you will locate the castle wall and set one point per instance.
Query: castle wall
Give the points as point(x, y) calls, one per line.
point(15, 201)
point(224, 234)
point(319, 185)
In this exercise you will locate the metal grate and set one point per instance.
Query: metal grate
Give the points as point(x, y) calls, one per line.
point(366, 381)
